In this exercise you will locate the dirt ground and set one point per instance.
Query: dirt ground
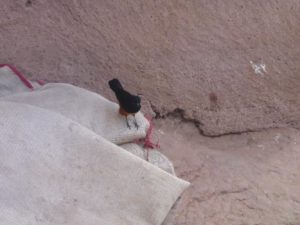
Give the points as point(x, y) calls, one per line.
point(247, 179)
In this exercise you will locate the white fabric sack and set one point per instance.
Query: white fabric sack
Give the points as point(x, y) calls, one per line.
point(152, 155)
point(55, 171)
point(87, 108)
point(59, 163)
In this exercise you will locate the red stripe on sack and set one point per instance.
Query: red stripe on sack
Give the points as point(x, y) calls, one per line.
point(148, 144)
point(19, 74)
point(41, 82)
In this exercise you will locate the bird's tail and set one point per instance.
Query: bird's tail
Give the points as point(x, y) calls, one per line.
point(115, 85)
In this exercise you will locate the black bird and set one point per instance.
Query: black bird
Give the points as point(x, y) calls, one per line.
point(129, 104)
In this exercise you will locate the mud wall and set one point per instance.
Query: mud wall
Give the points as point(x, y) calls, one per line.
point(229, 66)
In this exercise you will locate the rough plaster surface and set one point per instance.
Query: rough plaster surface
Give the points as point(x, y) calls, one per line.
point(233, 66)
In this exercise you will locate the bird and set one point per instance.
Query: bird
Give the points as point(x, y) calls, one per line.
point(129, 104)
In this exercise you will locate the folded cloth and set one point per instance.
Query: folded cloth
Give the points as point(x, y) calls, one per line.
point(59, 162)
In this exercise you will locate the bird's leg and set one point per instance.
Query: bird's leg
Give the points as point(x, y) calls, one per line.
point(135, 123)
point(127, 123)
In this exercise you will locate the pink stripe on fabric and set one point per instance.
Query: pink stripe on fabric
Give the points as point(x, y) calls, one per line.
point(19, 74)
point(41, 82)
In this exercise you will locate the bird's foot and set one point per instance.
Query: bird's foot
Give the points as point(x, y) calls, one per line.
point(136, 124)
point(128, 125)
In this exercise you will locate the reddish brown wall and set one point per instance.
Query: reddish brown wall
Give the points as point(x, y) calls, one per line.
point(193, 55)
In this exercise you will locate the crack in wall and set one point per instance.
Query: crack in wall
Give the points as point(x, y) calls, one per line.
point(180, 113)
